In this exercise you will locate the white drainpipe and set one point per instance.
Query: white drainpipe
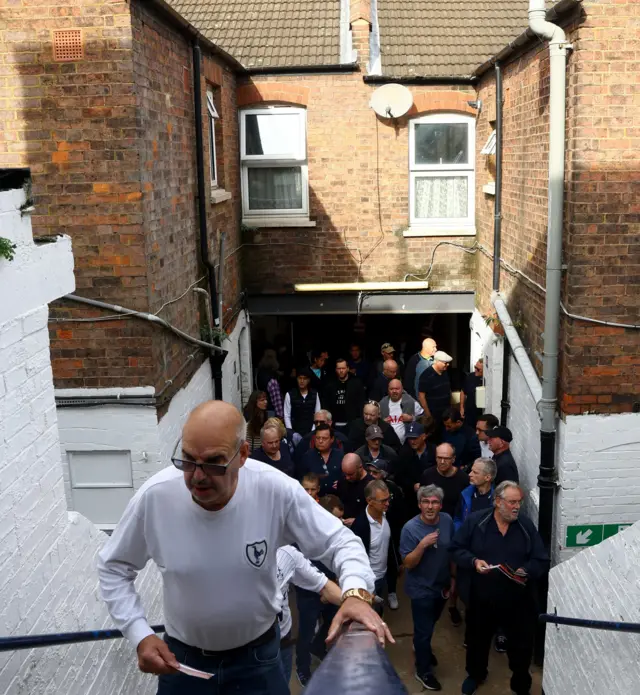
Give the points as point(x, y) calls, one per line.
point(558, 48)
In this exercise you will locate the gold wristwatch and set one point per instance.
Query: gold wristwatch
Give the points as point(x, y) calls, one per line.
point(361, 594)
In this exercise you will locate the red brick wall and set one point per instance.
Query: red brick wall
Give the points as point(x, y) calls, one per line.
point(110, 142)
point(358, 190)
point(600, 365)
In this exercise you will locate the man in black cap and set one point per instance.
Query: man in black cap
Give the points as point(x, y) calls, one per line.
point(416, 456)
point(300, 404)
point(374, 448)
point(499, 440)
point(371, 416)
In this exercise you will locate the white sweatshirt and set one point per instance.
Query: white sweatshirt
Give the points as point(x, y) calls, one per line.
point(219, 568)
point(293, 567)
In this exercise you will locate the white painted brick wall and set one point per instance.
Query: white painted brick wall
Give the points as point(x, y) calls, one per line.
point(524, 423)
point(485, 344)
point(236, 369)
point(599, 472)
point(602, 583)
point(48, 580)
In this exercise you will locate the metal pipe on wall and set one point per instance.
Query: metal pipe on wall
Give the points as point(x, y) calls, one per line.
point(497, 212)
point(215, 360)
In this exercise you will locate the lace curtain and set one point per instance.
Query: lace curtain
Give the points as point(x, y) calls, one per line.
point(275, 188)
point(441, 197)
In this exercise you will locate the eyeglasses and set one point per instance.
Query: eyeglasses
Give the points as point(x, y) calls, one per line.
point(431, 503)
point(212, 470)
point(377, 405)
point(386, 500)
point(444, 458)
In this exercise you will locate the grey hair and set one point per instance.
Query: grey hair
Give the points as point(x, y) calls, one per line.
point(488, 466)
point(453, 449)
point(505, 485)
point(266, 428)
point(241, 432)
point(326, 413)
point(430, 491)
point(374, 486)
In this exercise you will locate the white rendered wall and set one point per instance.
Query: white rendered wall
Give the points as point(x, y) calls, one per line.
point(486, 344)
point(524, 423)
point(601, 583)
point(48, 580)
point(236, 369)
point(599, 473)
point(198, 390)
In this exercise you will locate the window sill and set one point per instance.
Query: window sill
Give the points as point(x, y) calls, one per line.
point(219, 195)
point(259, 222)
point(439, 231)
point(489, 188)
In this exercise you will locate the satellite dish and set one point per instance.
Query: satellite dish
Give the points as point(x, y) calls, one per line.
point(391, 100)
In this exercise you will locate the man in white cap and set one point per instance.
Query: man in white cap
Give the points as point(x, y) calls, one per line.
point(434, 387)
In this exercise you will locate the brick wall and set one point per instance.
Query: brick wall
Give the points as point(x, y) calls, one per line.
point(600, 583)
point(599, 364)
point(110, 141)
point(358, 190)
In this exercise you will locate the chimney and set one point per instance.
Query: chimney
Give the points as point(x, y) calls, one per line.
point(360, 23)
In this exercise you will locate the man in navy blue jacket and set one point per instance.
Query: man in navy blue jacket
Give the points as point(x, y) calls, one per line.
point(499, 555)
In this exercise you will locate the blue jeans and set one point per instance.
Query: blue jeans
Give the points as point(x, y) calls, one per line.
point(248, 671)
point(425, 613)
point(310, 609)
point(286, 659)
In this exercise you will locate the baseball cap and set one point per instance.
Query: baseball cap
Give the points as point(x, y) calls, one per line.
point(442, 356)
point(414, 430)
point(387, 347)
point(373, 432)
point(501, 433)
point(380, 464)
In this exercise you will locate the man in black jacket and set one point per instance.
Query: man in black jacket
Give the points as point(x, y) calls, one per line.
point(371, 416)
point(500, 556)
point(344, 397)
point(380, 386)
point(415, 457)
point(499, 440)
point(372, 527)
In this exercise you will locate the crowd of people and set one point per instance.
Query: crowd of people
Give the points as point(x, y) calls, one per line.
point(429, 485)
point(338, 486)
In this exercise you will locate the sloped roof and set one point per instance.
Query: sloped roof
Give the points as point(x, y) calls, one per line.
point(269, 32)
point(446, 38)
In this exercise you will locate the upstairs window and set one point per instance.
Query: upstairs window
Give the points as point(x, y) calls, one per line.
point(273, 154)
point(212, 116)
point(441, 161)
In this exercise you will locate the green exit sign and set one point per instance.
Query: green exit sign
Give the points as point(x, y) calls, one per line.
point(585, 535)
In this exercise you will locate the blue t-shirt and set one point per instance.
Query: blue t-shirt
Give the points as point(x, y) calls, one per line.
point(431, 575)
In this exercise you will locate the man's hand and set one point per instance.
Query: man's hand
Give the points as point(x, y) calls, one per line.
point(360, 612)
point(405, 417)
point(521, 572)
point(348, 522)
point(481, 566)
point(416, 487)
point(154, 656)
point(389, 419)
point(430, 539)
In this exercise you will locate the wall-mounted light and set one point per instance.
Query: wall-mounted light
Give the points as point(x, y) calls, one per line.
point(477, 104)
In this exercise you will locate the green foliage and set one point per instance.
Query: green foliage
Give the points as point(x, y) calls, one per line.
point(7, 249)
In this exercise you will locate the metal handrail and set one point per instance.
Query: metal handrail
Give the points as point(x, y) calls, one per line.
point(11, 644)
point(614, 626)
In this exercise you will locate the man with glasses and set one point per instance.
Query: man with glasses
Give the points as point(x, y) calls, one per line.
point(371, 416)
point(485, 423)
point(499, 555)
point(424, 545)
point(373, 529)
point(212, 524)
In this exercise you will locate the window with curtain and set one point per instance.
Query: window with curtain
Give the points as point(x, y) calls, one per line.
point(273, 154)
point(441, 160)
point(212, 115)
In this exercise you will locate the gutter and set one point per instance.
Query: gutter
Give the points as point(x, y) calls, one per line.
point(558, 12)
point(416, 79)
point(301, 69)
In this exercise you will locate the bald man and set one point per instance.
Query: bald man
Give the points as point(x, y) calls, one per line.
point(381, 383)
point(350, 488)
point(399, 409)
point(417, 364)
point(212, 524)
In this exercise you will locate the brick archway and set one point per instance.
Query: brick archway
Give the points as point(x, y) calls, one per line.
point(426, 101)
point(262, 92)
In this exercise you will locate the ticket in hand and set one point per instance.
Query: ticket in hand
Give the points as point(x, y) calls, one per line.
point(194, 672)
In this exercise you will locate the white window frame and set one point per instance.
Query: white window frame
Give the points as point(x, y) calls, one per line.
point(297, 157)
point(449, 226)
point(213, 161)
